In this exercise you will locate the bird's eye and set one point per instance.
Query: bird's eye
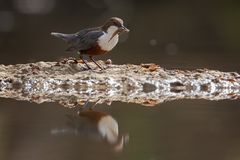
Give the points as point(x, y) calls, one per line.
point(116, 24)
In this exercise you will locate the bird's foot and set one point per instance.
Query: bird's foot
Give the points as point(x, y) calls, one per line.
point(80, 61)
point(87, 107)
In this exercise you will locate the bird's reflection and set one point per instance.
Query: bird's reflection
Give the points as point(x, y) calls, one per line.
point(94, 124)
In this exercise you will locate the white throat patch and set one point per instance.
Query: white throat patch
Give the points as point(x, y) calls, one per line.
point(104, 41)
point(108, 128)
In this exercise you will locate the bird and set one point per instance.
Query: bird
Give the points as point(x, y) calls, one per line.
point(95, 124)
point(94, 41)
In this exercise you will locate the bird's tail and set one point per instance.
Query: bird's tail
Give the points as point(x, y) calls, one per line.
point(65, 37)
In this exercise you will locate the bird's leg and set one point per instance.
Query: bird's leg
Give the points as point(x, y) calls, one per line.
point(95, 103)
point(81, 57)
point(95, 62)
point(87, 107)
point(83, 107)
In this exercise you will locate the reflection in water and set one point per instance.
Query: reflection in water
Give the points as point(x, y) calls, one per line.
point(97, 125)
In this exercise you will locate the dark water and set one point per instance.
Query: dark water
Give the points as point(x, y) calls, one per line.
point(175, 130)
point(173, 34)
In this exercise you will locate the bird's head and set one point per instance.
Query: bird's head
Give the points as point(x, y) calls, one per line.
point(114, 26)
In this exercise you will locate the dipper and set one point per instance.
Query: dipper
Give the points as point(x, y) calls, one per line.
point(94, 41)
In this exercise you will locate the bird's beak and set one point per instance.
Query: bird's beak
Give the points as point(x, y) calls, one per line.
point(124, 29)
point(119, 31)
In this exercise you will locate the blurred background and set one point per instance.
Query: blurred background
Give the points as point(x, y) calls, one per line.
point(174, 34)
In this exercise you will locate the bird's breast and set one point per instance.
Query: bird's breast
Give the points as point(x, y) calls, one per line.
point(106, 43)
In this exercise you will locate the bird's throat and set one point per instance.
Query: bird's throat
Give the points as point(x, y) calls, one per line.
point(113, 35)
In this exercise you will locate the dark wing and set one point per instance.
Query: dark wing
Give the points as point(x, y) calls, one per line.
point(71, 38)
point(84, 31)
point(84, 40)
